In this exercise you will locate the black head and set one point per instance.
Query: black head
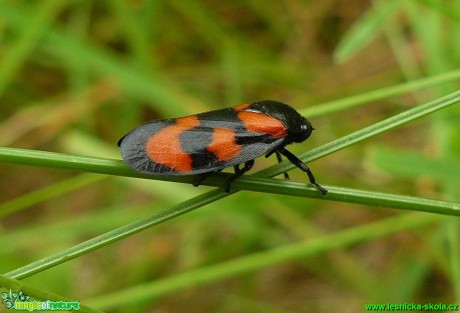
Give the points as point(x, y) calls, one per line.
point(299, 128)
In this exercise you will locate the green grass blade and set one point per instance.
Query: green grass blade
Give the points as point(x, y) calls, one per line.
point(115, 235)
point(453, 235)
point(379, 94)
point(117, 168)
point(135, 33)
point(151, 86)
point(412, 164)
point(444, 9)
point(39, 294)
point(33, 30)
point(251, 182)
point(257, 261)
point(57, 189)
point(365, 29)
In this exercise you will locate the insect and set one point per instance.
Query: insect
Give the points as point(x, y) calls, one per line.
point(211, 141)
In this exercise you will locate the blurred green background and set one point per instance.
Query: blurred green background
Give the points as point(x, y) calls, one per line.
point(77, 75)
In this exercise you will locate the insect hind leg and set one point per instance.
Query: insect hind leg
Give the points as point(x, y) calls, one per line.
point(238, 173)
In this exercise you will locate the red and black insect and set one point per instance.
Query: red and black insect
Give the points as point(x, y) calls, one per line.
point(209, 142)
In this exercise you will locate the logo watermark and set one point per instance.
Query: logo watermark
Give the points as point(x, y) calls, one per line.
point(21, 302)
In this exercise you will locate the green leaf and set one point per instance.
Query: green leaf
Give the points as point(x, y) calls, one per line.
point(365, 29)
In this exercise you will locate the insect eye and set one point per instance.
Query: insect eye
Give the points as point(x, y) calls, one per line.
point(304, 127)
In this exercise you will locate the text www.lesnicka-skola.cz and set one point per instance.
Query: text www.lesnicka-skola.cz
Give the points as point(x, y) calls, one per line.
point(411, 307)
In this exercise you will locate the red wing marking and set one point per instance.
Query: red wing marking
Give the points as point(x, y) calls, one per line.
point(164, 147)
point(261, 123)
point(224, 145)
point(241, 107)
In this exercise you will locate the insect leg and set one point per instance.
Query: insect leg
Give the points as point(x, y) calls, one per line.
point(199, 179)
point(270, 153)
point(297, 162)
point(278, 157)
point(238, 172)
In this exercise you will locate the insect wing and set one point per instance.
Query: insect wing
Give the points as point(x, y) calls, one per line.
point(197, 144)
point(134, 152)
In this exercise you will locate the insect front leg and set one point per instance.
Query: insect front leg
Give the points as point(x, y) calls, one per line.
point(238, 172)
point(297, 162)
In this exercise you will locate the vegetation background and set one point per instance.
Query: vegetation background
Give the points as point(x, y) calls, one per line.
point(77, 75)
